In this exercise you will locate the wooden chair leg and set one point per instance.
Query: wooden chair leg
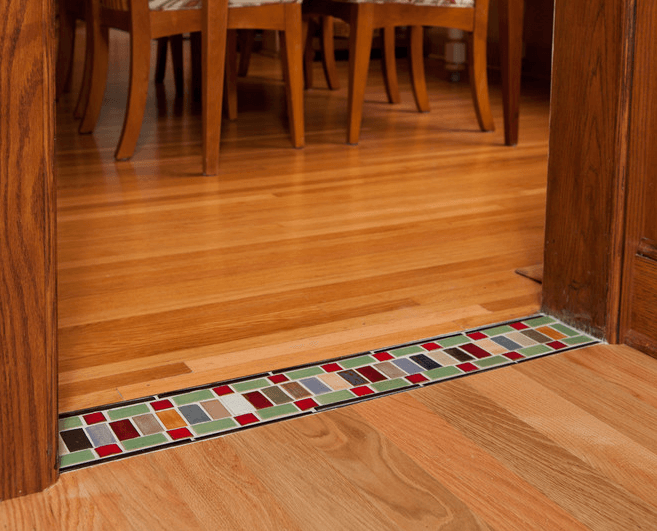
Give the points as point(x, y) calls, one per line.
point(64, 68)
point(97, 75)
point(230, 80)
point(390, 65)
point(360, 46)
point(214, 35)
point(161, 60)
point(479, 78)
point(418, 79)
point(308, 32)
point(328, 53)
point(85, 87)
point(292, 49)
point(197, 65)
point(140, 62)
point(246, 40)
point(177, 61)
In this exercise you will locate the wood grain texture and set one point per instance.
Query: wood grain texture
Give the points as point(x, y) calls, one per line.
point(638, 318)
point(288, 257)
point(515, 449)
point(28, 312)
point(588, 142)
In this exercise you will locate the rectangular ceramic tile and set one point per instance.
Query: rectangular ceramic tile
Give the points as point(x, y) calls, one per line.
point(218, 408)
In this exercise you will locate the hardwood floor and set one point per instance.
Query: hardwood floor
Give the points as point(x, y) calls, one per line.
point(561, 443)
point(169, 279)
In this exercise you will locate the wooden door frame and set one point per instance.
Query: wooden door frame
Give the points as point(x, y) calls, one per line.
point(28, 281)
point(589, 130)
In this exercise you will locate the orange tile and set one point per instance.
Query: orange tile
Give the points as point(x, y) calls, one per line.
point(551, 332)
point(171, 419)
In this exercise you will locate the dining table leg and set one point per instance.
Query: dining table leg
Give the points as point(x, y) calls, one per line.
point(511, 16)
point(214, 31)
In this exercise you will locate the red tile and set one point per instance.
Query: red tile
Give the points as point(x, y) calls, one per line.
point(278, 378)
point(124, 429)
point(180, 433)
point(417, 378)
point(249, 418)
point(259, 400)
point(514, 356)
point(371, 374)
point(331, 367)
point(94, 418)
point(477, 335)
point(161, 404)
point(223, 390)
point(556, 345)
point(362, 391)
point(383, 356)
point(306, 403)
point(468, 367)
point(109, 449)
point(475, 350)
point(518, 326)
point(431, 346)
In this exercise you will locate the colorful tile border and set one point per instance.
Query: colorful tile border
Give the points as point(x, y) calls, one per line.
point(98, 435)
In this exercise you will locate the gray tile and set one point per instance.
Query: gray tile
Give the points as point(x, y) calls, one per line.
point(408, 366)
point(193, 414)
point(506, 342)
point(100, 435)
point(315, 385)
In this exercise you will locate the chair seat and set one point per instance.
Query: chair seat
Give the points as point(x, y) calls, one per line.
point(173, 5)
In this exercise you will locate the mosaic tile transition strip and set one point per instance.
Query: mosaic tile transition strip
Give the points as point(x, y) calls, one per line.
point(103, 434)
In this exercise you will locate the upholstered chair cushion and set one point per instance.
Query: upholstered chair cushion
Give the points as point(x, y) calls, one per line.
point(170, 5)
point(446, 3)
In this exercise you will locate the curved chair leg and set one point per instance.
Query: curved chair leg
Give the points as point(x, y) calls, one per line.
point(360, 46)
point(97, 75)
point(246, 40)
point(418, 79)
point(177, 61)
point(390, 65)
point(161, 61)
point(83, 96)
point(230, 76)
point(64, 67)
point(140, 61)
point(292, 49)
point(479, 78)
point(308, 32)
point(328, 53)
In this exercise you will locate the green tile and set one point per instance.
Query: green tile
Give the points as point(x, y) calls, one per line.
point(443, 372)
point(492, 361)
point(499, 330)
point(388, 385)
point(577, 340)
point(304, 373)
point(277, 411)
point(195, 396)
point(539, 321)
point(71, 422)
point(144, 442)
point(357, 362)
point(332, 398)
point(453, 341)
point(565, 330)
point(129, 411)
point(251, 385)
point(405, 351)
point(76, 457)
point(535, 350)
point(214, 426)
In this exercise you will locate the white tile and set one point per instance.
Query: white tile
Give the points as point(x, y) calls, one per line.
point(237, 404)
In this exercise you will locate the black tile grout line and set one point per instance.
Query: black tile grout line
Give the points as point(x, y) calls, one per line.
point(202, 387)
point(318, 409)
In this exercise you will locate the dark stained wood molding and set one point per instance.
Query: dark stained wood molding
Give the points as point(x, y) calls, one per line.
point(589, 122)
point(28, 316)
